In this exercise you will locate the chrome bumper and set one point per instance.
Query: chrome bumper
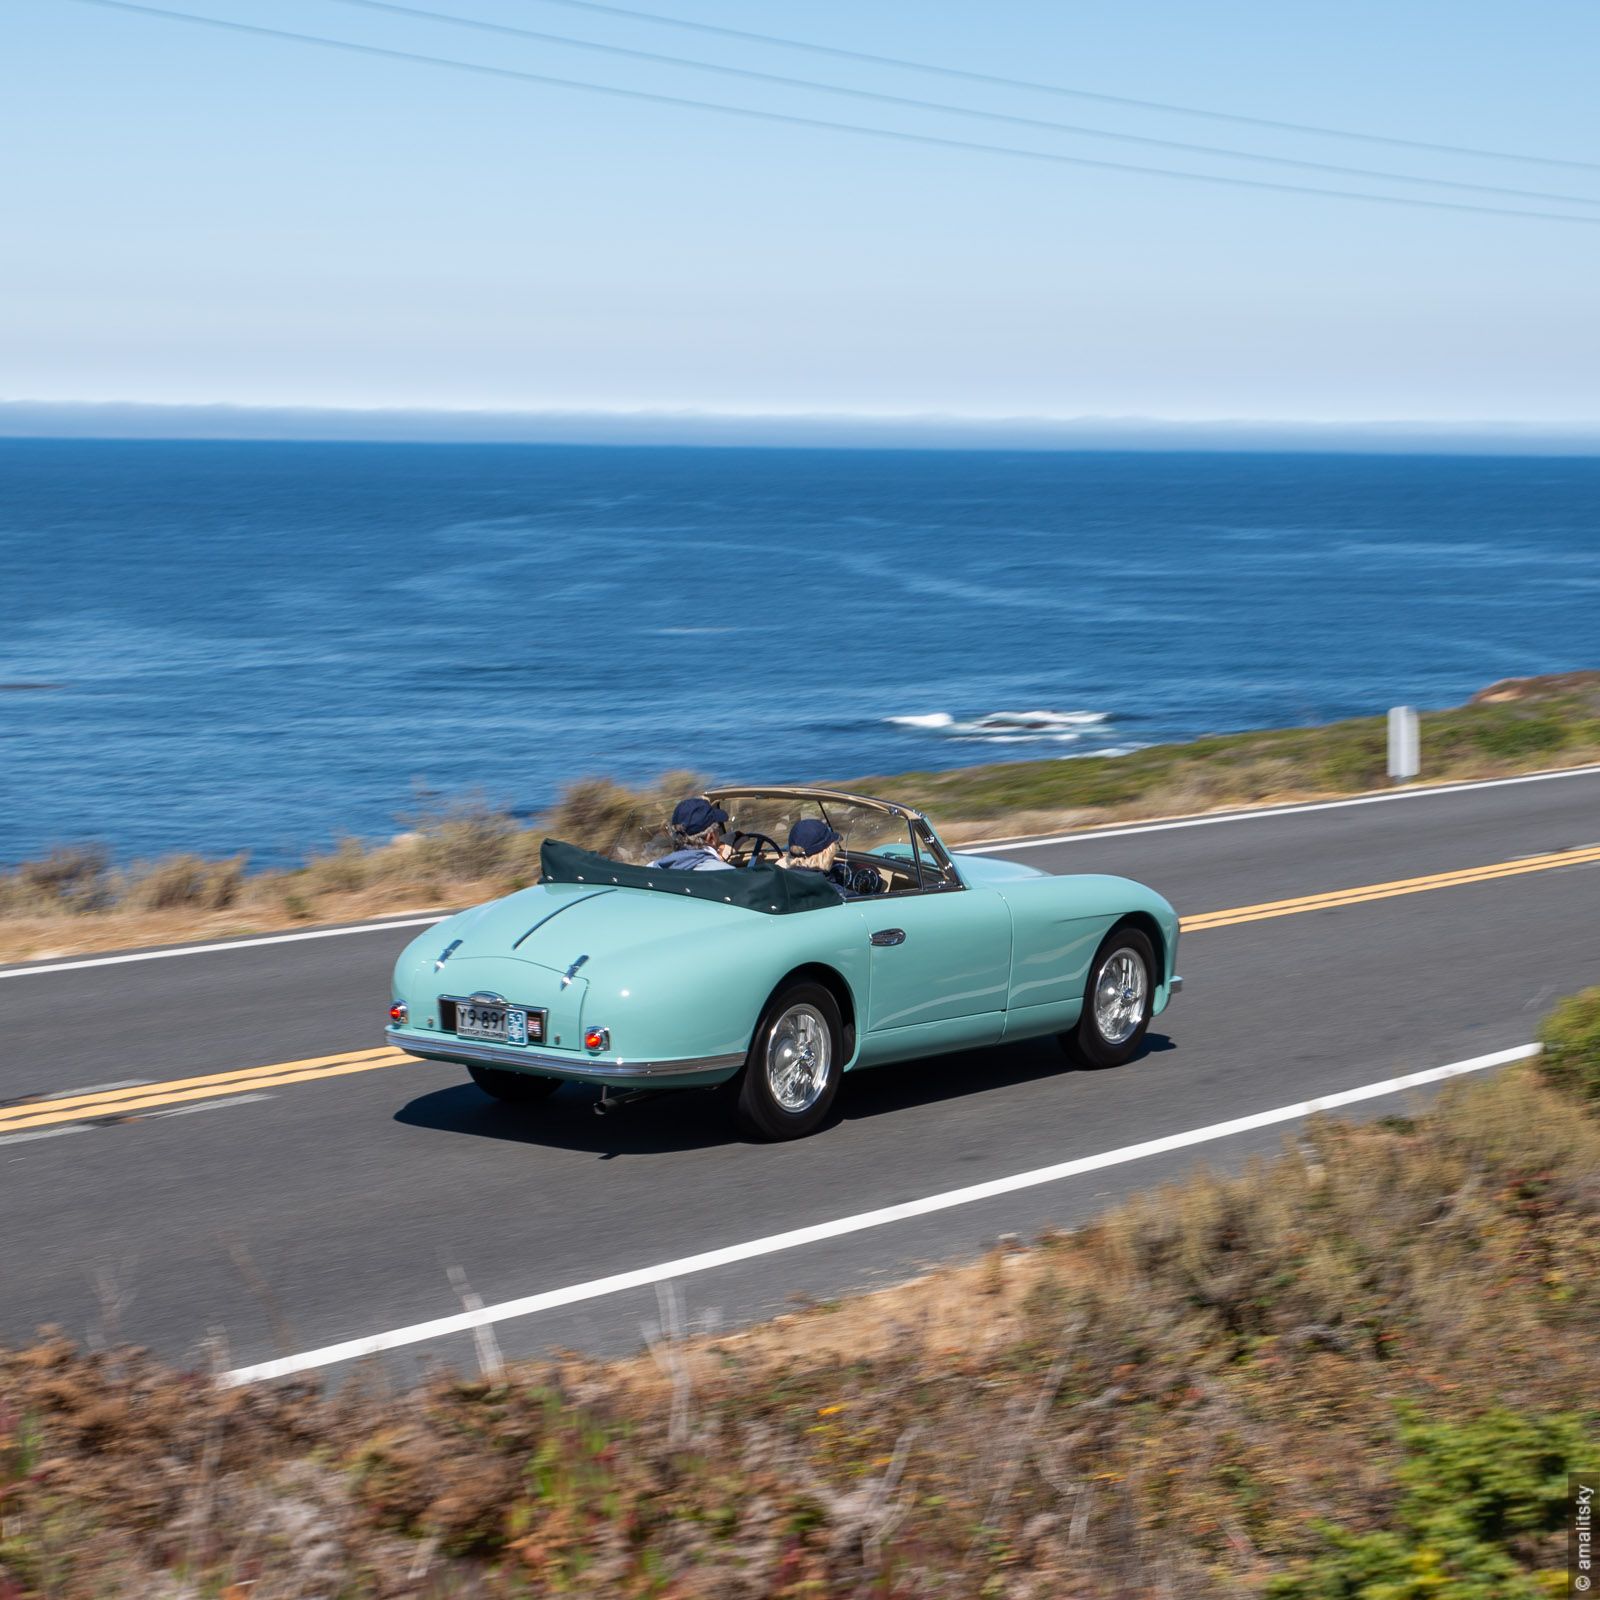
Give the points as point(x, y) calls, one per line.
point(1175, 984)
point(597, 1069)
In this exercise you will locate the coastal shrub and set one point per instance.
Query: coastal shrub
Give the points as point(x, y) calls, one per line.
point(184, 880)
point(596, 813)
point(71, 878)
point(464, 840)
point(1521, 1122)
point(297, 906)
point(350, 867)
point(592, 812)
point(1571, 1039)
point(1479, 1497)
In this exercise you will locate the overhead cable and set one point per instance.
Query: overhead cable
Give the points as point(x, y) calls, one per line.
point(839, 52)
point(943, 108)
point(791, 119)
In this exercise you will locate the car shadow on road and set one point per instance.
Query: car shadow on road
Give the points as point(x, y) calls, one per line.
point(681, 1119)
point(697, 1119)
point(904, 1084)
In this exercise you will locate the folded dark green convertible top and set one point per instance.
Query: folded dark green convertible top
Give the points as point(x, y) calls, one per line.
point(756, 888)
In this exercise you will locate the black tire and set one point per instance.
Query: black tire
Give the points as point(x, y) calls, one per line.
point(514, 1088)
point(773, 1103)
point(1099, 1040)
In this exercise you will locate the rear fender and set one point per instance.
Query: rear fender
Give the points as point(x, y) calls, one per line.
point(708, 999)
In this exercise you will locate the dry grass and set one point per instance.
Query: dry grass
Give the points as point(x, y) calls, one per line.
point(1372, 1355)
point(72, 901)
point(452, 854)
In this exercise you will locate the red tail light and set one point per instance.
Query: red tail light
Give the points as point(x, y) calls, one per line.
point(597, 1039)
point(398, 1013)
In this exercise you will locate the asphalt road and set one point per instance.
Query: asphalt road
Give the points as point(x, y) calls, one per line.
point(257, 1224)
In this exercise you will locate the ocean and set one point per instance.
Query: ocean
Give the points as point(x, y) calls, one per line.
point(263, 647)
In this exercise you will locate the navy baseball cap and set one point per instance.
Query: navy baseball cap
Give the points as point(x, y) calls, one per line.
point(810, 835)
point(696, 814)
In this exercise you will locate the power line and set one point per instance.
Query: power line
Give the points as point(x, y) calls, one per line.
point(842, 54)
point(945, 108)
point(789, 119)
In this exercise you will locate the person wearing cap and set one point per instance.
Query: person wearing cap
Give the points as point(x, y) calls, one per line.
point(697, 844)
point(816, 847)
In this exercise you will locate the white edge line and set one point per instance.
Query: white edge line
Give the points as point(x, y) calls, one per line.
point(90, 1088)
point(224, 944)
point(1088, 835)
point(1023, 842)
point(205, 1105)
point(43, 1133)
point(707, 1260)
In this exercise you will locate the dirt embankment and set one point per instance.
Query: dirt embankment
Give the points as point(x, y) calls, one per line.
point(1361, 1370)
point(73, 900)
point(1513, 690)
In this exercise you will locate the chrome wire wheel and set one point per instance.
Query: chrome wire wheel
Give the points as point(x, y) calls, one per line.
point(799, 1058)
point(796, 1060)
point(1119, 995)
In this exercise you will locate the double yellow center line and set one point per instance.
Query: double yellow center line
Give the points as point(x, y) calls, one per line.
point(115, 1104)
point(1588, 855)
point(100, 1104)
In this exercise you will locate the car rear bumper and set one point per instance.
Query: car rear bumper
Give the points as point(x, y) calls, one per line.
point(614, 1070)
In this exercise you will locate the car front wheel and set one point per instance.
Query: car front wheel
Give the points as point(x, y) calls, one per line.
point(792, 1072)
point(514, 1088)
point(1116, 1000)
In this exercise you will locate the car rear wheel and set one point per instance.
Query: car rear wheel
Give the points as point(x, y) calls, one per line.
point(792, 1072)
point(515, 1088)
point(1116, 1000)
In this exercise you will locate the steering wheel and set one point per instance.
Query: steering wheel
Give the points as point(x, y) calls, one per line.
point(759, 839)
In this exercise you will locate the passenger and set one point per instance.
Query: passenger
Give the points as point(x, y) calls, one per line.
point(697, 842)
point(816, 847)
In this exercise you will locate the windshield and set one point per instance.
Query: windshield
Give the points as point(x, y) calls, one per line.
point(865, 828)
point(868, 829)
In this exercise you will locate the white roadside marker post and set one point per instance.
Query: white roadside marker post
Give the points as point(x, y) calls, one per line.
point(1405, 744)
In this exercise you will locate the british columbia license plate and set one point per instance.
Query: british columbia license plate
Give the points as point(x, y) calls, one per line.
point(502, 1024)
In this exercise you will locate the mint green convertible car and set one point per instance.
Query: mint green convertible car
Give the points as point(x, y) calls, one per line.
point(613, 972)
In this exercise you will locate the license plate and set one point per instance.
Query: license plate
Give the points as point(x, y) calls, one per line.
point(501, 1024)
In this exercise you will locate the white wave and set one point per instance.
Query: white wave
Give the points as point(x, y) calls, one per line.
point(1009, 727)
point(1108, 752)
point(933, 719)
point(1021, 738)
point(1035, 721)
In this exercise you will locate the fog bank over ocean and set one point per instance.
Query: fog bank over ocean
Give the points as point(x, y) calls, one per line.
point(127, 420)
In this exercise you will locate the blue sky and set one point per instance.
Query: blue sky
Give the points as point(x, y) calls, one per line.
point(192, 216)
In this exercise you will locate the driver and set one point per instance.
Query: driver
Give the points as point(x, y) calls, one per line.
point(816, 847)
point(697, 842)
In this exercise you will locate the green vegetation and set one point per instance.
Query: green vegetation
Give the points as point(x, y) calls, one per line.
point(1478, 1499)
point(467, 850)
point(1358, 1372)
point(1571, 1040)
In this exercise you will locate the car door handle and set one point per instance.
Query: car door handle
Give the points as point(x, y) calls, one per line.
point(889, 936)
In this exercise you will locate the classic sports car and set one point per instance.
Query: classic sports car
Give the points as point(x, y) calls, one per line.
point(633, 977)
